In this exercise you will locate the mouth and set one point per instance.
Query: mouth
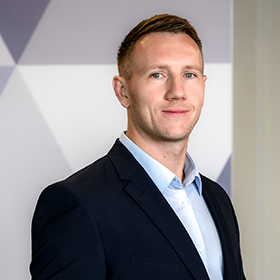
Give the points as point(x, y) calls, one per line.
point(175, 112)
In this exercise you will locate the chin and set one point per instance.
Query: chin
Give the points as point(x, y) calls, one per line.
point(175, 137)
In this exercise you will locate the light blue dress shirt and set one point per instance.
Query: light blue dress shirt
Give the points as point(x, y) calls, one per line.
point(187, 201)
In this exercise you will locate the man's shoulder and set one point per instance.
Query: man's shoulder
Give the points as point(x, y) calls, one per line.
point(216, 195)
point(88, 179)
point(108, 170)
point(209, 183)
point(94, 170)
point(212, 188)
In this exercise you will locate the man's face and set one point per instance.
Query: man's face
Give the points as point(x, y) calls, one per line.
point(165, 94)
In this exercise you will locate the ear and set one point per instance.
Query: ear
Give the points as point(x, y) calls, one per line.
point(204, 78)
point(120, 88)
point(204, 84)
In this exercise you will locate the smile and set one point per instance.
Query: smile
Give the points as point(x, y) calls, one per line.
point(175, 112)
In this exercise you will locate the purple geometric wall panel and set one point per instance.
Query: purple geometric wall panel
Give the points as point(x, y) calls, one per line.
point(225, 177)
point(5, 73)
point(18, 19)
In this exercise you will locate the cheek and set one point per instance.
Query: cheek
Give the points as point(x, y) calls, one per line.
point(143, 99)
point(198, 95)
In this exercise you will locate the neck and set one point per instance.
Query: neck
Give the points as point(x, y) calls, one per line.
point(171, 154)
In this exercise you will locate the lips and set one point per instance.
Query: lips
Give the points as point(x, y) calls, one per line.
point(176, 112)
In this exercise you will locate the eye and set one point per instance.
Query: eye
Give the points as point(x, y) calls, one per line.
point(156, 75)
point(189, 75)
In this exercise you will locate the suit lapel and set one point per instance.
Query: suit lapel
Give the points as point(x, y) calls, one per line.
point(147, 196)
point(225, 233)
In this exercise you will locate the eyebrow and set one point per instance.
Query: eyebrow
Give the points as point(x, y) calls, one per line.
point(165, 66)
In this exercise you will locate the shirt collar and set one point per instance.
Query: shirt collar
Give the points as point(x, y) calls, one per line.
point(161, 175)
point(192, 174)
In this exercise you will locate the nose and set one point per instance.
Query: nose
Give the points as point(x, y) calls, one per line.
point(175, 89)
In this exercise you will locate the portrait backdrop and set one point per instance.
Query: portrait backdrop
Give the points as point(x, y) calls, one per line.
point(58, 111)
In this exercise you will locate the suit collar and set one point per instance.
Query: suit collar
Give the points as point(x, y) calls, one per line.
point(123, 161)
point(146, 195)
point(226, 233)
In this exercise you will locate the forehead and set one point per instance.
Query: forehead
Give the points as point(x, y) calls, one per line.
point(164, 46)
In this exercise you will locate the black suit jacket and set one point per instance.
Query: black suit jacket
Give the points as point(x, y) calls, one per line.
point(109, 221)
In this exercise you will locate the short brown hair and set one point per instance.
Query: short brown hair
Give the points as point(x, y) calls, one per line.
point(157, 23)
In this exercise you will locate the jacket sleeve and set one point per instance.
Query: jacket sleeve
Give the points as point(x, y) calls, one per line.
point(66, 243)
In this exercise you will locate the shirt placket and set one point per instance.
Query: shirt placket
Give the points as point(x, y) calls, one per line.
point(185, 213)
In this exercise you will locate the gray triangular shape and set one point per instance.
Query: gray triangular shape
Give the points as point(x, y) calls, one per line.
point(18, 19)
point(225, 177)
point(5, 73)
point(6, 58)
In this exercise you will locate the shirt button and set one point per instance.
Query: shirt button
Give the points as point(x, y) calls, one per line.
point(183, 203)
point(200, 249)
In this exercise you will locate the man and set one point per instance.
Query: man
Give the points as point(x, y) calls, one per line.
point(143, 211)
